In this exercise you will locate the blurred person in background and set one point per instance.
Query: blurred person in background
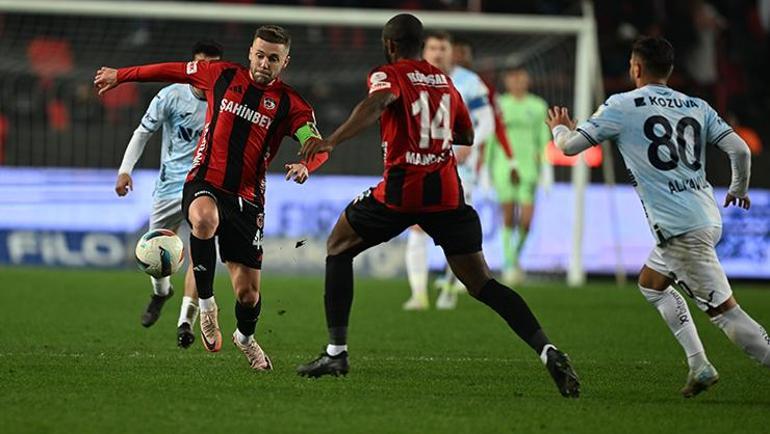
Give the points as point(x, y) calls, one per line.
point(437, 51)
point(524, 115)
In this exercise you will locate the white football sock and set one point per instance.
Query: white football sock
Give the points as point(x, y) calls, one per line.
point(160, 286)
point(242, 339)
point(334, 350)
point(746, 333)
point(188, 313)
point(673, 308)
point(417, 262)
point(207, 303)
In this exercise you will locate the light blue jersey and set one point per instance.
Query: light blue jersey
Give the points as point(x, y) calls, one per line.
point(475, 96)
point(182, 115)
point(662, 135)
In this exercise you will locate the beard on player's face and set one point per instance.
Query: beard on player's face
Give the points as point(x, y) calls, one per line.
point(267, 60)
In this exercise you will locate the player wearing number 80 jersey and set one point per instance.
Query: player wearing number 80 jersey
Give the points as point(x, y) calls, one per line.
point(662, 135)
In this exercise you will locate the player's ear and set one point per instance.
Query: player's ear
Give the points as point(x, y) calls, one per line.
point(286, 61)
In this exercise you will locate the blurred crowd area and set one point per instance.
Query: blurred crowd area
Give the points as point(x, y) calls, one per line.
point(50, 115)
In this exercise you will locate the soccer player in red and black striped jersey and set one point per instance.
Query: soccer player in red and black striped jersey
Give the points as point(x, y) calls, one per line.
point(250, 110)
point(421, 115)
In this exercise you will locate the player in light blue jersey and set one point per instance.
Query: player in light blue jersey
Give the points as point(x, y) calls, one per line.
point(662, 135)
point(437, 51)
point(180, 110)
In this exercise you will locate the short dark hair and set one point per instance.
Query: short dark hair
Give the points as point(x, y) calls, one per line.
point(656, 54)
point(274, 34)
point(441, 35)
point(406, 31)
point(209, 48)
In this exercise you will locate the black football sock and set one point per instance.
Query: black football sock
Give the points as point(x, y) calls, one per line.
point(247, 316)
point(338, 296)
point(514, 310)
point(204, 261)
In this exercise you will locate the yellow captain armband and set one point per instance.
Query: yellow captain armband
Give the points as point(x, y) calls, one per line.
point(306, 132)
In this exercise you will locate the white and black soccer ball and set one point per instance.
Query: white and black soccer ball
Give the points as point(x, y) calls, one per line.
point(159, 253)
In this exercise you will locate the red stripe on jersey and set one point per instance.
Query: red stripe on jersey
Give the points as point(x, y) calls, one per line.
point(417, 130)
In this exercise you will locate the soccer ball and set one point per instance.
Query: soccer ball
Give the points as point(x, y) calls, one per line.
point(159, 253)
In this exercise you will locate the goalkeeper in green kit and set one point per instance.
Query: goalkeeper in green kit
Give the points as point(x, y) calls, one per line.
point(524, 117)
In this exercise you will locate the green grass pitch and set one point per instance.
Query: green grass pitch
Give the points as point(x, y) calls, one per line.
point(74, 359)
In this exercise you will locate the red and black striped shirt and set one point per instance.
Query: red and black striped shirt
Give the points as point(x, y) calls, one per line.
point(245, 122)
point(417, 131)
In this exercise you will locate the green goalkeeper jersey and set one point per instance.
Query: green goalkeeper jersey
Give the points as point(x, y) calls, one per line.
point(527, 132)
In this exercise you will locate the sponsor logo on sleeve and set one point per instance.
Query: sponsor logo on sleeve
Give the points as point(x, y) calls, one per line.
point(377, 81)
point(192, 67)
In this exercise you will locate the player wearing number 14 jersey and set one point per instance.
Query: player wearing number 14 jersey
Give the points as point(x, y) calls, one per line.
point(662, 135)
point(421, 115)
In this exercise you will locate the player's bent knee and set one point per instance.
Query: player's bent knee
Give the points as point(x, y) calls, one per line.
point(204, 223)
point(247, 295)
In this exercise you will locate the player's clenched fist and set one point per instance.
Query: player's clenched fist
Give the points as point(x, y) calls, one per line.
point(741, 202)
point(106, 79)
point(124, 184)
point(314, 146)
point(296, 171)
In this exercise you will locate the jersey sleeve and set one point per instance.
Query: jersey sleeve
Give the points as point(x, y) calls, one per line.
point(605, 123)
point(462, 120)
point(302, 120)
point(156, 112)
point(383, 79)
point(716, 128)
point(199, 73)
point(479, 97)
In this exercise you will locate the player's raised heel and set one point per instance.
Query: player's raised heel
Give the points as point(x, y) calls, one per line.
point(211, 336)
point(325, 364)
point(184, 336)
point(560, 368)
point(700, 381)
point(152, 312)
point(258, 360)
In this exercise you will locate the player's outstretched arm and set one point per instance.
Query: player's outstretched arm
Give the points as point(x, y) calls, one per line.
point(364, 114)
point(195, 73)
point(564, 135)
point(740, 163)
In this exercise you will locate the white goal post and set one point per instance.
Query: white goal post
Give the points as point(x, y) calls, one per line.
point(583, 28)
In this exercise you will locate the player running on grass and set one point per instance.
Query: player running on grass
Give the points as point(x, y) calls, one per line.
point(180, 109)
point(662, 135)
point(250, 110)
point(421, 115)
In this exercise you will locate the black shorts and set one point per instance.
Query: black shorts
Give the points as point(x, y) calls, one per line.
point(457, 231)
point(241, 223)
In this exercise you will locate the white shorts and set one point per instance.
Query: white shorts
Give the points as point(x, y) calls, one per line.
point(468, 181)
point(691, 260)
point(166, 214)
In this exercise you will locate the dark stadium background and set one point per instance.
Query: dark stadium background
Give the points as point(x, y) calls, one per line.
point(53, 118)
